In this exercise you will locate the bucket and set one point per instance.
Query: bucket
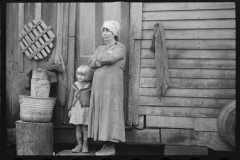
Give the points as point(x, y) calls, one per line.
point(35, 109)
point(40, 84)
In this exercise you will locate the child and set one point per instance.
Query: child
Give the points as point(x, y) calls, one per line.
point(78, 106)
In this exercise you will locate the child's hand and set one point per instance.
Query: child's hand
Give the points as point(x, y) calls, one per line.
point(69, 113)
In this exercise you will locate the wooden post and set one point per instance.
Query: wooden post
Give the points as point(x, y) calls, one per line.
point(20, 26)
point(34, 138)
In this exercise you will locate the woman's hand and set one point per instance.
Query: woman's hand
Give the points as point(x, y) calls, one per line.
point(69, 114)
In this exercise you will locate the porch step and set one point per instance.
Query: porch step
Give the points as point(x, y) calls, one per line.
point(69, 153)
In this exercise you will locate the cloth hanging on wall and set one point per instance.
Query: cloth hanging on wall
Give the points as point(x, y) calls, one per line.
point(161, 59)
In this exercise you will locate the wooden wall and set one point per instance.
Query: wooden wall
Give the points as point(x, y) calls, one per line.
point(77, 30)
point(201, 40)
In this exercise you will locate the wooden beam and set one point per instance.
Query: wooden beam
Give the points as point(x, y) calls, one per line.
point(134, 62)
point(20, 26)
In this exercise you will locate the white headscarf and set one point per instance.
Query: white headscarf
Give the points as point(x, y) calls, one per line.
point(113, 26)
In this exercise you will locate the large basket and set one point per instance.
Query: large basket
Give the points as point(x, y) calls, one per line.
point(35, 109)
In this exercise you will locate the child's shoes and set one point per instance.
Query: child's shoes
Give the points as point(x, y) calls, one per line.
point(85, 147)
point(78, 148)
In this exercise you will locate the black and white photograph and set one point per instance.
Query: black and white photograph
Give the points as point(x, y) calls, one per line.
point(118, 78)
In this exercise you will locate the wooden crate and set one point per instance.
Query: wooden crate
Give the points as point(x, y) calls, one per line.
point(36, 39)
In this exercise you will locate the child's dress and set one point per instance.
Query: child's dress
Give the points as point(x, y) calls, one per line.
point(79, 115)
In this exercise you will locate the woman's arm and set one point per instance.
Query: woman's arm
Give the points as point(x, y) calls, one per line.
point(92, 61)
point(113, 56)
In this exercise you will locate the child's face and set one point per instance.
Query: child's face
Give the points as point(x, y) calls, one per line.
point(81, 76)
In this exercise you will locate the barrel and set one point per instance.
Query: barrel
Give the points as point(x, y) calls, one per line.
point(40, 84)
point(35, 109)
point(226, 123)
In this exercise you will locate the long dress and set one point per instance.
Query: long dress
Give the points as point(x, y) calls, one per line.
point(106, 117)
point(79, 115)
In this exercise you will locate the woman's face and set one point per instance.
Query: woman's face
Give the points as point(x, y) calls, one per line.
point(107, 35)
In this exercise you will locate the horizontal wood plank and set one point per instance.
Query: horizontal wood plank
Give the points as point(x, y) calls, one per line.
point(191, 73)
point(192, 63)
point(194, 34)
point(182, 101)
point(198, 124)
point(145, 136)
point(195, 44)
point(179, 111)
point(201, 93)
point(188, 54)
point(187, 6)
point(169, 122)
point(192, 24)
point(192, 83)
point(186, 15)
point(193, 138)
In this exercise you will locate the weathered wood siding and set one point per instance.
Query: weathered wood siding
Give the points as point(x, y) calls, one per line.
point(201, 43)
point(77, 30)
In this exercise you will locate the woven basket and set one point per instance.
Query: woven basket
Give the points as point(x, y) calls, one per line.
point(35, 109)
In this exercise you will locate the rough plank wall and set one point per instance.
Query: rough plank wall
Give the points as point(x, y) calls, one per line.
point(202, 60)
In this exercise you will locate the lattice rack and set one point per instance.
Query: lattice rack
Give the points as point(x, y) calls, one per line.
point(36, 39)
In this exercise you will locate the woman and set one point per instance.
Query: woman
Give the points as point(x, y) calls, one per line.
point(106, 121)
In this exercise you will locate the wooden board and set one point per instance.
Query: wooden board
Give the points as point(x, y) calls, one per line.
point(145, 136)
point(195, 44)
point(192, 83)
point(182, 101)
point(202, 93)
point(193, 138)
point(179, 111)
point(141, 122)
point(192, 63)
point(20, 26)
point(191, 73)
point(192, 24)
point(134, 62)
point(198, 124)
point(193, 14)
point(194, 34)
point(198, 54)
point(187, 6)
point(169, 122)
point(185, 150)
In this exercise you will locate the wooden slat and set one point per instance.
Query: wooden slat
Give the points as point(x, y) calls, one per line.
point(20, 25)
point(169, 122)
point(192, 83)
point(191, 73)
point(146, 136)
point(141, 122)
point(195, 44)
point(72, 19)
point(185, 102)
point(65, 51)
point(194, 34)
point(198, 124)
point(205, 124)
point(202, 14)
point(201, 93)
point(134, 62)
point(187, 6)
point(192, 63)
point(206, 54)
point(192, 138)
point(38, 11)
point(192, 24)
point(179, 111)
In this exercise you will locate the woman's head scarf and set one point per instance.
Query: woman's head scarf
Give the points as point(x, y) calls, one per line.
point(113, 26)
